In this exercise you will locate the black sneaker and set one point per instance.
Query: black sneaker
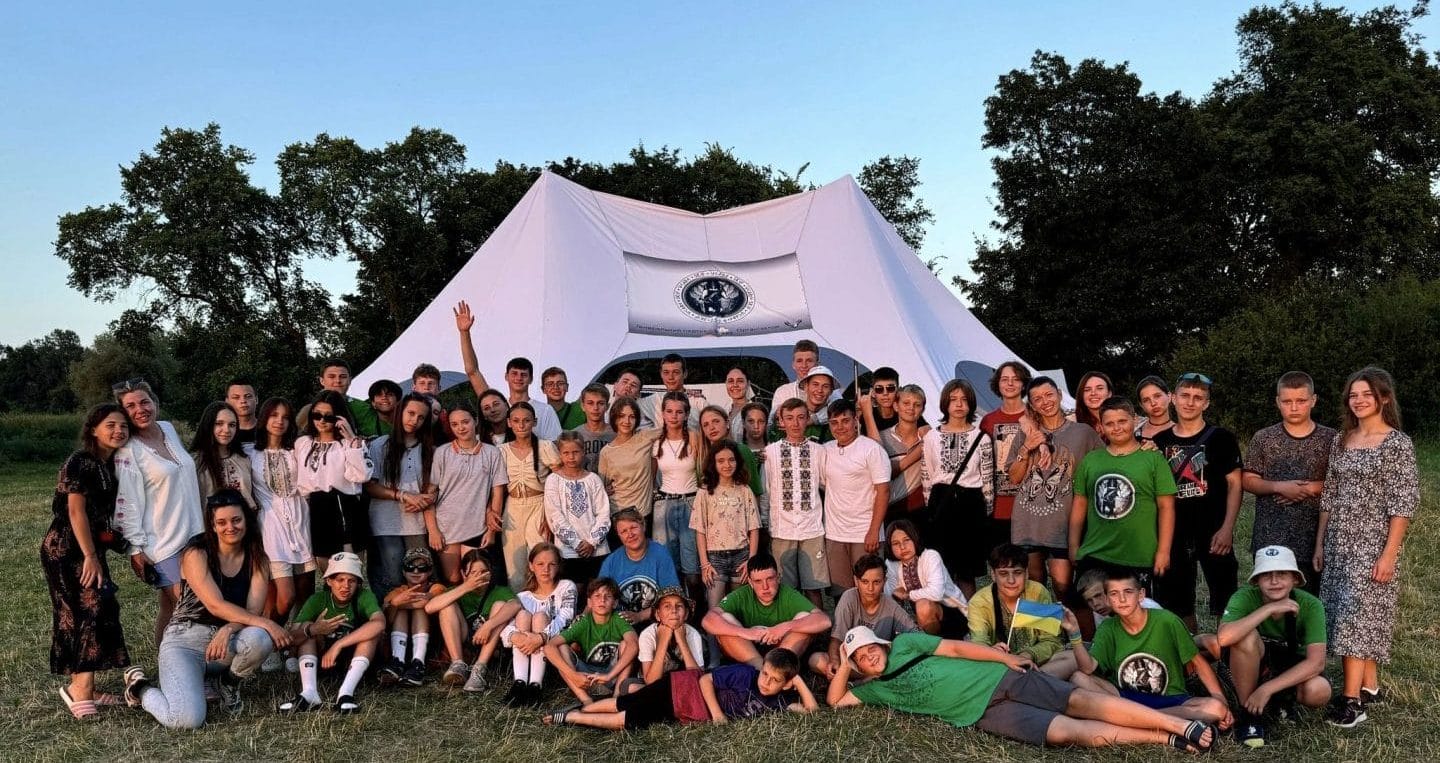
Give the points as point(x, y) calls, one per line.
point(517, 695)
point(229, 688)
point(1375, 696)
point(1250, 733)
point(415, 674)
point(392, 673)
point(1346, 712)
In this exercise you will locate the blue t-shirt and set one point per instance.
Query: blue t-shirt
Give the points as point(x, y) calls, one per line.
point(640, 582)
point(737, 689)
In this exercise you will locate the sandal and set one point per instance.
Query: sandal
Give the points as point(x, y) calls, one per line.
point(135, 683)
point(297, 704)
point(558, 717)
point(82, 709)
point(106, 699)
point(1194, 737)
point(347, 705)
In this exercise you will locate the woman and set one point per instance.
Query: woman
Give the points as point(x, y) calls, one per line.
point(677, 453)
point(626, 465)
point(902, 443)
point(333, 466)
point(284, 514)
point(715, 428)
point(220, 462)
point(401, 494)
point(157, 505)
point(470, 479)
point(737, 389)
point(1093, 389)
point(87, 636)
point(494, 417)
point(1154, 398)
point(916, 577)
point(218, 622)
point(528, 461)
point(959, 485)
point(1371, 492)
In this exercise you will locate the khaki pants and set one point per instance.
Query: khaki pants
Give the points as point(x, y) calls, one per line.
point(519, 530)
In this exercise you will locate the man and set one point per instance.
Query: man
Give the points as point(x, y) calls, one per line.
point(383, 396)
point(241, 396)
point(1275, 632)
point(856, 476)
point(642, 569)
point(1285, 469)
point(1144, 653)
point(1205, 460)
point(518, 373)
point(554, 384)
point(1009, 382)
point(335, 376)
point(866, 604)
point(594, 403)
point(762, 615)
point(967, 684)
point(793, 468)
point(672, 376)
point(627, 384)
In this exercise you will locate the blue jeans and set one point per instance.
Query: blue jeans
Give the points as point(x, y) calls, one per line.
point(179, 702)
point(672, 529)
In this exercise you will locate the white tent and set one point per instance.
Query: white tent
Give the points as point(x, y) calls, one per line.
point(580, 280)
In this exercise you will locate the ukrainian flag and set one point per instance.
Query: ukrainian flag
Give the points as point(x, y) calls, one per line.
point(1038, 615)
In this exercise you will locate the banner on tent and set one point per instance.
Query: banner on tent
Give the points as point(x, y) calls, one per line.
point(676, 298)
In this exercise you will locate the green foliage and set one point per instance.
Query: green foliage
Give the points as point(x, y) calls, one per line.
point(38, 437)
point(890, 183)
point(1329, 333)
point(32, 376)
point(134, 348)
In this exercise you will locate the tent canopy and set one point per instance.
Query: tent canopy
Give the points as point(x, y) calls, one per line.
point(575, 278)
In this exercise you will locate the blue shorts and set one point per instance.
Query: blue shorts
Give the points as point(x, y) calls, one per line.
point(169, 571)
point(1155, 701)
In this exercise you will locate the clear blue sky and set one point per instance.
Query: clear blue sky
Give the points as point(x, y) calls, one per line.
point(88, 86)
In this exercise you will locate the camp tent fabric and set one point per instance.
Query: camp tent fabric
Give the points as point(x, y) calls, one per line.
point(579, 279)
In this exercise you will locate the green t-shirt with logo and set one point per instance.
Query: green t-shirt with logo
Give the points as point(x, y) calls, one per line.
point(322, 606)
point(953, 689)
point(1149, 662)
point(472, 603)
point(599, 642)
point(1309, 623)
point(1121, 517)
point(743, 606)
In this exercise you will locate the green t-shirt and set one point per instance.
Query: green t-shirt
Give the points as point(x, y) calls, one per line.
point(1309, 623)
point(599, 642)
point(368, 422)
point(472, 604)
point(1121, 519)
point(954, 690)
point(1149, 662)
point(571, 415)
point(321, 605)
point(742, 604)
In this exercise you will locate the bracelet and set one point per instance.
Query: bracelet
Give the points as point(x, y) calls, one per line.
point(1076, 636)
point(306, 630)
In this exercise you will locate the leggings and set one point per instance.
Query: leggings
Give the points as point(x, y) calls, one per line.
point(179, 701)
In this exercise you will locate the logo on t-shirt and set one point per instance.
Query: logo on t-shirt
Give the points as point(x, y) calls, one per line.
point(603, 653)
point(1187, 463)
point(1114, 496)
point(638, 593)
point(1143, 673)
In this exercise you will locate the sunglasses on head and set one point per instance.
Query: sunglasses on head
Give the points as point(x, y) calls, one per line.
point(127, 385)
point(328, 418)
point(1192, 376)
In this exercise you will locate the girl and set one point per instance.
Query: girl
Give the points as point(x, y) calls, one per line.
point(284, 515)
point(332, 467)
point(1093, 389)
point(86, 627)
point(737, 388)
point(675, 455)
point(1371, 492)
point(757, 429)
point(959, 485)
point(218, 620)
point(626, 466)
point(494, 422)
point(219, 459)
point(528, 461)
point(477, 609)
point(409, 621)
point(402, 497)
point(903, 443)
point(1155, 402)
point(157, 503)
point(714, 428)
point(577, 511)
point(726, 522)
point(547, 605)
point(916, 577)
point(470, 479)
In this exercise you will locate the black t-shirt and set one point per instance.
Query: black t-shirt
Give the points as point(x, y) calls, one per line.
point(243, 436)
point(1200, 464)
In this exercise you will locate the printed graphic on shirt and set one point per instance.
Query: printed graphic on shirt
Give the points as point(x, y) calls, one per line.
point(1187, 463)
point(603, 653)
point(796, 477)
point(1114, 496)
point(1143, 673)
point(638, 593)
point(1040, 488)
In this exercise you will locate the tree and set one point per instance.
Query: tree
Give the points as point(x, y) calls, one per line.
point(133, 348)
point(32, 376)
point(890, 183)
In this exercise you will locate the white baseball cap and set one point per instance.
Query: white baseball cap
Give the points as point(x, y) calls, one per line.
point(819, 371)
point(1276, 559)
point(345, 562)
point(860, 636)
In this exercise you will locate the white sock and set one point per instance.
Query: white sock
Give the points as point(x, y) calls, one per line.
point(537, 667)
point(521, 663)
point(420, 642)
point(310, 677)
point(399, 640)
point(353, 675)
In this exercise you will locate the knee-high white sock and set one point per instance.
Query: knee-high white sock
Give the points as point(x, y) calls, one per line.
point(537, 667)
point(310, 677)
point(399, 640)
point(353, 675)
point(419, 643)
point(521, 663)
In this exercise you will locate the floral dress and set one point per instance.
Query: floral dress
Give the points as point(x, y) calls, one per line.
point(1364, 488)
point(87, 636)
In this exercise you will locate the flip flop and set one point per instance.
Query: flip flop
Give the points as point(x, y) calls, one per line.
point(82, 709)
point(106, 699)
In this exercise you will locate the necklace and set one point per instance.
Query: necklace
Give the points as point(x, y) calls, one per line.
point(466, 451)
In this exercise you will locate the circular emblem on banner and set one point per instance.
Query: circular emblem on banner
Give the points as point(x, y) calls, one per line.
point(715, 296)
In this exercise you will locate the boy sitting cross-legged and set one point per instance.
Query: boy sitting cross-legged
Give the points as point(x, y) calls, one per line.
point(597, 651)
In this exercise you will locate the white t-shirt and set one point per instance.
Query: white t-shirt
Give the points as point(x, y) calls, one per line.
point(851, 474)
point(792, 480)
point(692, 637)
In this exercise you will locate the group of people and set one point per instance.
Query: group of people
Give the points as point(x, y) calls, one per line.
point(673, 560)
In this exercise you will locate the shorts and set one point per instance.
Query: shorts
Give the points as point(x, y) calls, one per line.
point(1155, 701)
point(287, 570)
point(473, 542)
point(647, 706)
point(842, 558)
point(590, 668)
point(1050, 552)
point(1277, 659)
point(336, 520)
point(1024, 704)
point(727, 562)
point(167, 571)
point(801, 562)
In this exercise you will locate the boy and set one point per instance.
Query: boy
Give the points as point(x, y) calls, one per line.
point(1091, 589)
point(518, 374)
point(1009, 383)
point(805, 356)
point(241, 396)
point(477, 610)
point(672, 376)
point(1144, 654)
point(594, 404)
point(1275, 631)
point(866, 604)
point(992, 609)
point(345, 619)
point(606, 645)
point(382, 398)
point(554, 384)
point(793, 467)
point(764, 614)
point(726, 693)
point(856, 476)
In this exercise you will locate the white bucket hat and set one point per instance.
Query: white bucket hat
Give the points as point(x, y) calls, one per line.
point(345, 562)
point(860, 636)
point(1276, 559)
point(820, 371)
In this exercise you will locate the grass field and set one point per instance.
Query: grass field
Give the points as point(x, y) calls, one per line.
point(432, 723)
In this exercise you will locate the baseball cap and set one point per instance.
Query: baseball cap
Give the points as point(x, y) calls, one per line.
point(1276, 559)
point(345, 562)
point(860, 636)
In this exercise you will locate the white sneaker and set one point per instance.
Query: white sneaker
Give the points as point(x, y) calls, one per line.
point(292, 665)
point(272, 663)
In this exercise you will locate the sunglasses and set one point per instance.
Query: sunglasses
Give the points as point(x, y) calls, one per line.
point(417, 568)
point(1192, 376)
point(883, 388)
point(128, 385)
point(328, 418)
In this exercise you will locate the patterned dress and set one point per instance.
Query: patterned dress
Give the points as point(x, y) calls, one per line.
point(87, 635)
point(1364, 488)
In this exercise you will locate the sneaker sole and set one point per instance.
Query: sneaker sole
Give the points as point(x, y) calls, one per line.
point(1359, 719)
point(452, 679)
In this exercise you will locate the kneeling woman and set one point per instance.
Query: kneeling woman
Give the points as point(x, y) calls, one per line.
point(217, 625)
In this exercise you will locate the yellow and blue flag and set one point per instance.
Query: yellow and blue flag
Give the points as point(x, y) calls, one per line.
point(1038, 615)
